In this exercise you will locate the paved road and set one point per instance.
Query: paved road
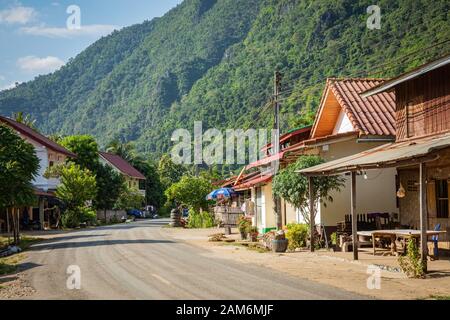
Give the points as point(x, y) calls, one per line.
point(140, 261)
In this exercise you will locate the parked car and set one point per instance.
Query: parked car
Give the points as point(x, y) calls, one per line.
point(135, 213)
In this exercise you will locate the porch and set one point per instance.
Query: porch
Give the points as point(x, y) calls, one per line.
point(429, 157)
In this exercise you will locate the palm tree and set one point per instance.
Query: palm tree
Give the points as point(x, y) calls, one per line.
point(125, 150)
point(25, 119)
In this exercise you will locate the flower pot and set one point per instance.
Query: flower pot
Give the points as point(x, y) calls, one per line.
point(279, 245)
point(254, 237)
point(243, 235)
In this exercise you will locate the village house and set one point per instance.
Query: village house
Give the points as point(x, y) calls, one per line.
point(133, 178)
point(41, 215)
point(345, 124)
point(420, 156)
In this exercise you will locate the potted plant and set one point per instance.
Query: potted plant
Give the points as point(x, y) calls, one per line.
point(280, 243)
point(243, 224)
point(253, 232)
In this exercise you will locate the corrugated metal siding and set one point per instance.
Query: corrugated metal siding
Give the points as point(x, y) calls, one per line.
point(423, 105)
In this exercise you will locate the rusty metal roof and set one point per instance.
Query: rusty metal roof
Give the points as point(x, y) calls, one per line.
point(417, 72)
point(372, 115)
point(388, 155)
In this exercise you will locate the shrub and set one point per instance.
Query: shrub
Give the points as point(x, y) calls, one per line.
point(297, 234)
point(73, 217)
point(412, 263)
point(333, 238)
point(244, 224)
point(89, 216)
point(70, 219)
point(200, 219)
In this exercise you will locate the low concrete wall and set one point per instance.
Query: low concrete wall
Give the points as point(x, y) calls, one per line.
point(110, 214)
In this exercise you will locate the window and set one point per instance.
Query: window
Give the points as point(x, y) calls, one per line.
point(442, 198)
point(51, 164)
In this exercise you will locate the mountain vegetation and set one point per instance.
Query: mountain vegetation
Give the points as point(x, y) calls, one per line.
point(214, 60)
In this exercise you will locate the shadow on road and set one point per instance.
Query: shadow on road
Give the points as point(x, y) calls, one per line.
point(68, 245)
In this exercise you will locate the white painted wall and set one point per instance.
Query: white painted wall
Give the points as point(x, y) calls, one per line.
point(343, 124)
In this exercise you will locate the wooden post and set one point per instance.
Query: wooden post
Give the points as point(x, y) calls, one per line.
point(8, 227)
point(423, 214)
point(311, 212)
point(354, 217)
point(41, 212)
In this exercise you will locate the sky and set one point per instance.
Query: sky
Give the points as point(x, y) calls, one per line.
point(39, 36)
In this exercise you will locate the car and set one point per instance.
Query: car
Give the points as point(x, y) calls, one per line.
point(135, 213)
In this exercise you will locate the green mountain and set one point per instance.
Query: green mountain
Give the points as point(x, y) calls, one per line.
point(213, 60)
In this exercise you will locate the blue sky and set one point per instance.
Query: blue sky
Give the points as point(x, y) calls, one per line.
point(35, 39)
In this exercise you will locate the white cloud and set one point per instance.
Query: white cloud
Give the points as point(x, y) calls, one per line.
point(17, 15)
point(94, 30)
point(9, 86)
point(33, 64)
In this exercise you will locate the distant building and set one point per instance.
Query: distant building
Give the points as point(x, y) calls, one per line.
point(133, 178)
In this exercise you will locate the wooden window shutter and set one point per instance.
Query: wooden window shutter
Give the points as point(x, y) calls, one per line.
point(431, 199)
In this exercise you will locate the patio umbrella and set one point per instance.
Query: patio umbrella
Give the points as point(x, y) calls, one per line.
point(221, 193)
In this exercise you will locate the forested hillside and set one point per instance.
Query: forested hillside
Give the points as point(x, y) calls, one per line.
point(213, 60)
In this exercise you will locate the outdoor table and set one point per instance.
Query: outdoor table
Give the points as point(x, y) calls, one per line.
point(394, 234)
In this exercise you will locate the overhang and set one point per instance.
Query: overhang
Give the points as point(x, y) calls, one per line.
point(389, 155)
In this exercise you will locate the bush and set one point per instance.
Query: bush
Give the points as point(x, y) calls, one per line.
point(70, 219)
point(89, 216)
point(333, 238)
point(200, 219)
point(297, 234)
point(73, 217)
point(412, 264)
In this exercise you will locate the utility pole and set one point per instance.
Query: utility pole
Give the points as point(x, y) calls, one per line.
point(276, 145)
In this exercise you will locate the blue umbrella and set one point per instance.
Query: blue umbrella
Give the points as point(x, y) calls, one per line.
point(222, 192)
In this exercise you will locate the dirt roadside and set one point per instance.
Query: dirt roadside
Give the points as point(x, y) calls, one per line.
point(325, 267)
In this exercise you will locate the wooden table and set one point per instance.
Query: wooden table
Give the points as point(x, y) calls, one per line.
point(394, 234)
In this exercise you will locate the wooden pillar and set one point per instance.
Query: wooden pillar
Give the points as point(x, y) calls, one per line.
point(423, 214)
point(354, 216)
point(311, 212)
point(41, 212)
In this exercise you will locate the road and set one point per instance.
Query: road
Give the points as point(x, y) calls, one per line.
point(140, 261)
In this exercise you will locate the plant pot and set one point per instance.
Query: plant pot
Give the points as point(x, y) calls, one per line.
point(279, 245)
point(243, 235)
point(254, 237)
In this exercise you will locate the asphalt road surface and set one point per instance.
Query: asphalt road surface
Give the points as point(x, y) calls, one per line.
point(140, 261)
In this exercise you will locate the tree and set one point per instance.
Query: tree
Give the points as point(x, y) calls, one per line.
point(129, 198)
point(294, 188)
point(86, 149)
point(169, 172)
point(109, 187)
point(78, 187)
point(190, 191)
point(126, 150)
point(25, 119)
point(154, 189)
point(18, 167)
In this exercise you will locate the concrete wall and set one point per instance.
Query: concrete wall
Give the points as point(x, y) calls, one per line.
point(110, 214)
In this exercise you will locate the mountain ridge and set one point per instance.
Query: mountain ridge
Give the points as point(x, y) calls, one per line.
point(213, 60)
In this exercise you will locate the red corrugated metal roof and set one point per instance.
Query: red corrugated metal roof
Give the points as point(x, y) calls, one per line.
point(252, 182)
point(36, 136)
point(122, 165)
point(372, 115)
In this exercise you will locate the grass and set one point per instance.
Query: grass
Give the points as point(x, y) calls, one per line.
point(9, 264)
